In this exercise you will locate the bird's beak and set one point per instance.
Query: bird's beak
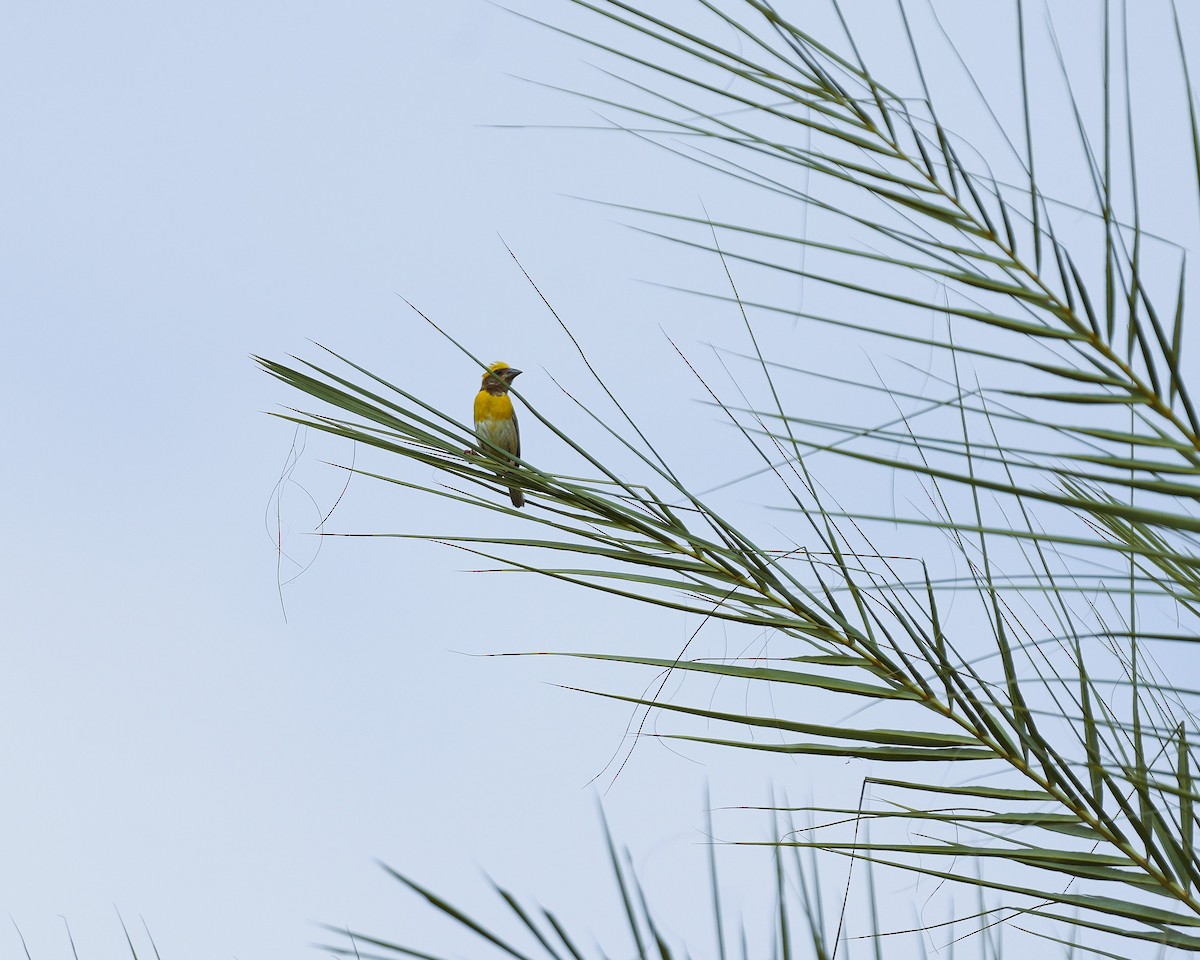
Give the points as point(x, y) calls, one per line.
point(512, 373)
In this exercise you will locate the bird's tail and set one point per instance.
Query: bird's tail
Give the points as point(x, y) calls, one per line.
point(517, 497)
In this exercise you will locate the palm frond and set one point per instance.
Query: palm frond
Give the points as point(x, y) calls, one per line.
point(1056, 461)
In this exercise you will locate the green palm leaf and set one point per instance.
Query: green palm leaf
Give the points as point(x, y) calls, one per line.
point(1057, 462)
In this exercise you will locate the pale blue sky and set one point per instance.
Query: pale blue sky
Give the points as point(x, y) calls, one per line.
point(186, 184)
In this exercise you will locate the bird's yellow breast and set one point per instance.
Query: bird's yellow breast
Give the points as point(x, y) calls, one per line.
point(492, 406)
point(496, 422)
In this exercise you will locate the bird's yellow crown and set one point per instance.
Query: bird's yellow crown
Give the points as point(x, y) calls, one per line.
point(493, 367)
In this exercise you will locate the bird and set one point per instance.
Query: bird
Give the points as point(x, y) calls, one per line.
point(495, 419)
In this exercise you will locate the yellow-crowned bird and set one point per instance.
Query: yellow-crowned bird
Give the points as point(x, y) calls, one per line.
point(495, 419)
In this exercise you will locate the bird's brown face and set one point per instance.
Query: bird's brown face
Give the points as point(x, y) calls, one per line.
point(498, 381)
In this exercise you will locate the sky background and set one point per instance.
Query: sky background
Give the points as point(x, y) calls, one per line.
point(187, 184)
